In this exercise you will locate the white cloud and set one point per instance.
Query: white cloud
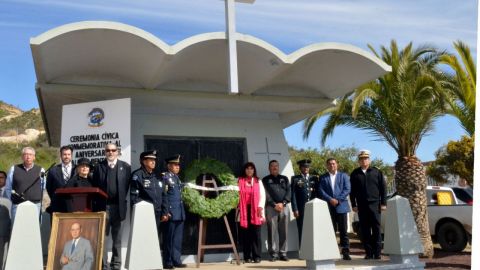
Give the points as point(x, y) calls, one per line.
point(294, 24)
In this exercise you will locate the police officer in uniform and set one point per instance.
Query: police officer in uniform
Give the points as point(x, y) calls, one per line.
point(173, 229)
point(277, 189)
point(368, 199)
point(146, 186)
point(302, 191)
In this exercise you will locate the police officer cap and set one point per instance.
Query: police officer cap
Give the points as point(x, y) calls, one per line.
point(304, 163)
point(148, 154)
point(364, 154)
point(173, 159)
point(83, 161)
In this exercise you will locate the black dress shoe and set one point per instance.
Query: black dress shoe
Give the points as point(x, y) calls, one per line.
point(272, 259)
point(284, 258)
point(248, 260)
point(346, 257)
point(367, 257)
point(168, 267)
point(257, 260)
point(182, 265)
point(377, 257)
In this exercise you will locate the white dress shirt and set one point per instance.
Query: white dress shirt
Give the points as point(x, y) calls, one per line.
point(68, 169)
point(332, 180)
point(112, 164)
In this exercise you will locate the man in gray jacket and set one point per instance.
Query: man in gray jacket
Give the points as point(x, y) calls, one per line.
point(77, 253)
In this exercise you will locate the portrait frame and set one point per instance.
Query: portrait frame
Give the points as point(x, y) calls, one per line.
point(92, 228)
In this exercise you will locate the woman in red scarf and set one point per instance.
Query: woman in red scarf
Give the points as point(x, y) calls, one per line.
point(252, 216)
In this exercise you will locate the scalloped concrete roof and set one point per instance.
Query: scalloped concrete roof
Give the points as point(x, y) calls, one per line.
point(114, 55)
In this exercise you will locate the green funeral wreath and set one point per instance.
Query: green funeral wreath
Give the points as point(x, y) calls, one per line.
point(210, 207)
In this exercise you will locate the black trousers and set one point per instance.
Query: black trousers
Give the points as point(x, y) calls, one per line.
point(340, 224)
point(369, 217)
point(113, 225)
point(251, 240)
point(299, 221)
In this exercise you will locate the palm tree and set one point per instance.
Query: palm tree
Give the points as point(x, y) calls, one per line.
point(462, 91)
point(400, 108)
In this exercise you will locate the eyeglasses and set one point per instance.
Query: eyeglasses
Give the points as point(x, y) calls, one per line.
point(111, 150)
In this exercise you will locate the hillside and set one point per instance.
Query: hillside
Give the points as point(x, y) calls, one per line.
point(19, 129)
point(14, 121)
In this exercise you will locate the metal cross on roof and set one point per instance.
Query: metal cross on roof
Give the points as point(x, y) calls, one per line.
point(232, 44)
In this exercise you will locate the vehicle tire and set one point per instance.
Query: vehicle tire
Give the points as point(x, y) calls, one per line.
point(452, 237)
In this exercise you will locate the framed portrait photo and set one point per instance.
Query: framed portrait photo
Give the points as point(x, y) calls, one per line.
point(76, 241)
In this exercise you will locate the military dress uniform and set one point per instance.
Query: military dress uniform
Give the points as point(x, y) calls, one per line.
point(302, 192)
point(146, 186)
point(173, 229)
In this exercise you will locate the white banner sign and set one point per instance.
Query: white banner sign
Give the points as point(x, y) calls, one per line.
point(89, 127)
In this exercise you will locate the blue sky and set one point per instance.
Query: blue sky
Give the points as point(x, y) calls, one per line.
point(286, 24)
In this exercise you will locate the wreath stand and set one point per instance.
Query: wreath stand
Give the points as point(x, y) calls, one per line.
point(202, 230)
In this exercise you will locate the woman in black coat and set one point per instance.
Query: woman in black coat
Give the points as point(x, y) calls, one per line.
point(82, 176)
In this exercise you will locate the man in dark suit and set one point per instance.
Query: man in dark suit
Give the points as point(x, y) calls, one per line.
point(5, 227)
point(58, 177)
point(368, 199)
point(113, 176)
point(302, 191)
point(173, 229)
point(334, 187)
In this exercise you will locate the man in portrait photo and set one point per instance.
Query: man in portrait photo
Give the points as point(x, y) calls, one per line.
point(77, 253)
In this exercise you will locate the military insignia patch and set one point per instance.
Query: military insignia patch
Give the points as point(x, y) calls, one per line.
point(146, 183)
point(300, 183)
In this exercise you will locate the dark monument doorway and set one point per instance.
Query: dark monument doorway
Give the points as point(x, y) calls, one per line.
point(231, 151)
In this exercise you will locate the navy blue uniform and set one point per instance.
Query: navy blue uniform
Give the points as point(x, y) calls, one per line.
point(173, 229)
point(302, 192)
point(147, 187)
point(368, 194)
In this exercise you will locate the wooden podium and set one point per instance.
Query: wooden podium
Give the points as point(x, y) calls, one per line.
point(81, 198)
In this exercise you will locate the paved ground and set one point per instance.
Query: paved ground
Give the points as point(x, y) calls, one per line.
point(450, 260)
point(293, 263)
point(441, 260)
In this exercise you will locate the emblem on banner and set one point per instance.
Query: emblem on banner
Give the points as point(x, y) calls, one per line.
point(96, 116)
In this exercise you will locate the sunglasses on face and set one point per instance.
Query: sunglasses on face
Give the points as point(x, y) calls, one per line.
point(111, 150)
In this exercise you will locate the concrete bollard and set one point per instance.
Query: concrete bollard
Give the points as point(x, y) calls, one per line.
point(402, 241)
point(319, 244)
point(143, 246)
point(25, 249)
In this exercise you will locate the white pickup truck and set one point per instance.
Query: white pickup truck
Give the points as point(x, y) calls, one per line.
point(450, 218)
point(450, 224)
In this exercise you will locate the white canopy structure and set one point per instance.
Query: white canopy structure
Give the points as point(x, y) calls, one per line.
point(97, 60)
